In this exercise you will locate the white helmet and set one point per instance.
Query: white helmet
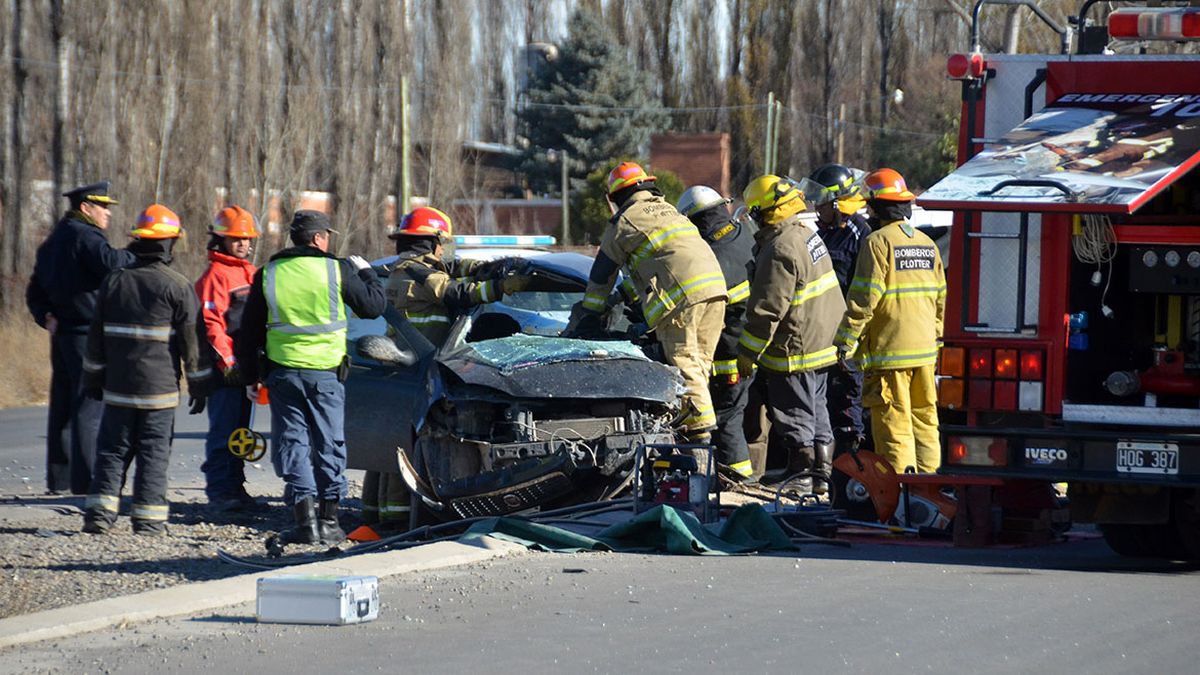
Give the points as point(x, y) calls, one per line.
point(698, 198)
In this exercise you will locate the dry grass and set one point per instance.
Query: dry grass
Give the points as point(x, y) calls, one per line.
point(24, 361)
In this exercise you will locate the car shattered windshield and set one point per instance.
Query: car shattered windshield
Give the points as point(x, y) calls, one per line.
point(515, 352)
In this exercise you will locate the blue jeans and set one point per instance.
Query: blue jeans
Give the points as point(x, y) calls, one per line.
point(307, 429)
point(224, 474)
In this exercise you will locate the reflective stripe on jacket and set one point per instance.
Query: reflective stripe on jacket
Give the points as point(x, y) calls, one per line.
point(306, 318)
point(664, 256)
point(897, 300)
point(795, 302)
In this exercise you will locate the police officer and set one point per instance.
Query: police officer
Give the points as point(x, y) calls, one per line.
point(676, 275)
point(146, 323)
point(222, 290)
point(61, 295)
point(733, 245)
point(431, 291)
point(893, 326)
point(297, 314)
point(839, 204)
point(791, 317)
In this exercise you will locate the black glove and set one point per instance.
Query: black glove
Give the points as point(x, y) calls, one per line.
point(233, 377)
point(583, 322)
point(196, 404)
point(94, 393)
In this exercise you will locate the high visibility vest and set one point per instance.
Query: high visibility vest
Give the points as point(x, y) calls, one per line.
point(306, 318)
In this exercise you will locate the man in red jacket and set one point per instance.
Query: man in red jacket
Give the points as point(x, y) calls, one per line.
point(222, 290)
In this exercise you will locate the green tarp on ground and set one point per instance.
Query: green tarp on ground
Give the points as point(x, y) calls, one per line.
point(661, 529)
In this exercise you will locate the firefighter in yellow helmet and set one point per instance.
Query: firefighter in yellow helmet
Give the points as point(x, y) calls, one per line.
point(791, 316)
point(893, 327)
point(677, 278)
point(146, 322)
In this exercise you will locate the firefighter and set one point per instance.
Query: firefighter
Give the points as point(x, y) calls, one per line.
point(733, 246)
point(222, 290)
point(838, 203)
point(61, 296)
point(296, 314)
point(893, 327)
point(429, 290)
point(146, 322)
point(791, 317)
point(676, 275)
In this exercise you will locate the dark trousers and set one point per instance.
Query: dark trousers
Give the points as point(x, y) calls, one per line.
point(307, 428)
point(845, 401)
point(73, 422)
point(224, 474)
point(127, 434)
point(797, 407)
point(729, 403)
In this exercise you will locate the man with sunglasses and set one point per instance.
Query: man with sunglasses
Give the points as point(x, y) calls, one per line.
point(791, 317)
point(61, 296)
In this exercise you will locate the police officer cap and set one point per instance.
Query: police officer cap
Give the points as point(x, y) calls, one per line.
point(310, 221)
point(96, 193)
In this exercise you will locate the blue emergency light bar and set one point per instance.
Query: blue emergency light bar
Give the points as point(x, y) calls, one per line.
point(504, 240)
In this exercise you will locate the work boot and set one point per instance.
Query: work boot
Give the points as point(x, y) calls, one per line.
point(305, 531)
point(149, 528)
point(822, 467)
point(800, 461)
point(96, 524)
point(328, 528)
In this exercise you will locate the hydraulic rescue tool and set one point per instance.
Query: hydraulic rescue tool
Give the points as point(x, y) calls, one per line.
point(671, 474)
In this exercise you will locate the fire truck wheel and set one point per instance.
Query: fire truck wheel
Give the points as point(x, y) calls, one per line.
point(1185, 517)
point(1143, 541)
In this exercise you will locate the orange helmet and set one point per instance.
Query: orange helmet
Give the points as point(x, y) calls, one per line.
point(156, 222)
point(234, 222)
point(425, 221)
point(625, 174)
point(888, 185)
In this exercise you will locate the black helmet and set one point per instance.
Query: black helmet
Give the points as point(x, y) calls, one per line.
point(838, 181)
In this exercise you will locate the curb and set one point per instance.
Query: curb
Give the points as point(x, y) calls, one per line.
point(207, 595)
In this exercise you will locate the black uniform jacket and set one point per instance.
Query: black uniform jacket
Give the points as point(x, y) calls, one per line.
point(70, 265)
point(361, 291)
point(733, 244)
point(147, 320)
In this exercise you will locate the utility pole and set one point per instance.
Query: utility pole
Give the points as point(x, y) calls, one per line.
point(566, 198)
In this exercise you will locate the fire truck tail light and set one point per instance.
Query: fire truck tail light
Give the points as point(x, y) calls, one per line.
point(1155, 23)
point(977, 451)
point(966, 66)
point(1006, 364)
point(981, 363)
point(1029, 396)
point(979, 394)
point(950, 393)
point(952, 361)
point(1005, 396)
point(1031, 365)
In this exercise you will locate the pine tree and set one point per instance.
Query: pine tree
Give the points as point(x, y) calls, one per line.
point(609, 110)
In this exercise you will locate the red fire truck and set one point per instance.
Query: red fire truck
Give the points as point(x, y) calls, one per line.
point(1072, 338)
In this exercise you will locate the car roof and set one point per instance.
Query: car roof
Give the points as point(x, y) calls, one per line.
point(566, 263)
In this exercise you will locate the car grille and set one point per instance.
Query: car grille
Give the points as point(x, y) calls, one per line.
point(514, 497)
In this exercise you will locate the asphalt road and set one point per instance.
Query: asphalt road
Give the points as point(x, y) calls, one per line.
point(23, 455)
point(873, 608)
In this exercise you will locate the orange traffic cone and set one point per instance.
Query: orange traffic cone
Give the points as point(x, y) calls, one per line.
point(363, 533)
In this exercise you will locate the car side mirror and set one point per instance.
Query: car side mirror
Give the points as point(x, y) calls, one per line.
point(383, 349)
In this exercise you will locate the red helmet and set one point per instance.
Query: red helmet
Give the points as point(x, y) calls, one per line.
point(234, 222)
point(425, 221)
point(888, 185)
point(156, 222)
point(625, 174)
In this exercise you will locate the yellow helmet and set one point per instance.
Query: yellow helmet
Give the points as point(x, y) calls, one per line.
point(771, 199)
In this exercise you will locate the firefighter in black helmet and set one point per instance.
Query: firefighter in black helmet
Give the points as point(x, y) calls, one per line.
point(833, 190)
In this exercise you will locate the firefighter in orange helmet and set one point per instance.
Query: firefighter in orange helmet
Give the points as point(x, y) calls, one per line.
point(222, 290)
point(677, 277)
point(893, 327)
point(146, 322)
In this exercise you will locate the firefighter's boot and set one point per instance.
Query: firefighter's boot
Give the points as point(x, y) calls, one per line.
point(822, 466)
point(97, 521)
point(305, 531)
point(328, 528)
point(800, 461)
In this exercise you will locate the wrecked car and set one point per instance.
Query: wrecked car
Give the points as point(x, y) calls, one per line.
point(506, 415)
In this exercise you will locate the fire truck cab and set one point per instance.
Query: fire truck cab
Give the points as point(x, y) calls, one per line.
point(1072, 336)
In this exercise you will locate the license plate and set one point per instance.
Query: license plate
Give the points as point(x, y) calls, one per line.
point(1154, 458)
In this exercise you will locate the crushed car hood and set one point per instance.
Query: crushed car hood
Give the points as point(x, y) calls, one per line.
point(530, 366)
